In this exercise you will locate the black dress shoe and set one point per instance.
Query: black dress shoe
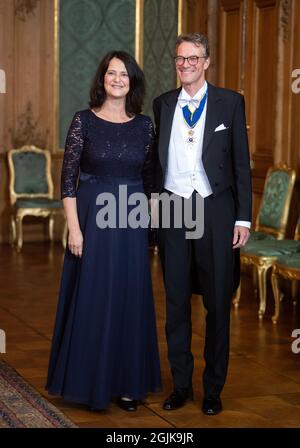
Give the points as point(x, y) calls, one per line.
point(127, 405)
point(177, 399)
point(212, 406)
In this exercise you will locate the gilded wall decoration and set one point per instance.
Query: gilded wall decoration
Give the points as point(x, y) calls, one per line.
point(27, 132)
point(285, 6)
point(25, 8)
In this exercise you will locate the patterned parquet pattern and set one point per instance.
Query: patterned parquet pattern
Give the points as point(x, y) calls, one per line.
point(263, 386)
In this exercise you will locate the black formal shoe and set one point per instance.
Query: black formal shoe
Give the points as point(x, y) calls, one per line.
point(177, 399)
point(127, 405)
point(212, 406)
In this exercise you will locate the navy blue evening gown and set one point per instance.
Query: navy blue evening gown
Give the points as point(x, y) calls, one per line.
point(104, 343)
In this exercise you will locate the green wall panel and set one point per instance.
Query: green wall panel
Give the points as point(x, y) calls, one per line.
point(160, 32)
point(88, 29)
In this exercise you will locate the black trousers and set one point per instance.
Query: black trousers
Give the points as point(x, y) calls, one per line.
point(210, 261)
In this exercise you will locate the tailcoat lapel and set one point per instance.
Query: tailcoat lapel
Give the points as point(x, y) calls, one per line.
point(167, 113)
point(213, 113)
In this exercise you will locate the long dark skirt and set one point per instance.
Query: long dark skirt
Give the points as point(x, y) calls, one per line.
point(104, 342)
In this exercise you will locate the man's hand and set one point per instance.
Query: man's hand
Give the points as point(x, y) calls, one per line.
point(240, 236)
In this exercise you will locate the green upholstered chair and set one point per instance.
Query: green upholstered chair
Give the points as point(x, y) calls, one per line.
point(271, 221)
point(286, 266)
point(31, 190)
point(273, 212)
point(262, 255)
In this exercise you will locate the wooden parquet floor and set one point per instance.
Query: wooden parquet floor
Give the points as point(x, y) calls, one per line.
point(263, 386)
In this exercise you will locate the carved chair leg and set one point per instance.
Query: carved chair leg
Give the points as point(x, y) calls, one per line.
point(255, 281)
point(19, 221)
point(65, 235)
point(237, 297)
point(294, 291)
point(51, 227)
point(276, 295)
point(13, 230)
point(262, 287)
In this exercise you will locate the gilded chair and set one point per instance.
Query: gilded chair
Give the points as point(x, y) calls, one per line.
point(273, 212)
point(270, 224)
point(287, 267)
point(31, 190)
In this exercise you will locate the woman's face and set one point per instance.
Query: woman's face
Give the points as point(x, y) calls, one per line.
point(116, 79)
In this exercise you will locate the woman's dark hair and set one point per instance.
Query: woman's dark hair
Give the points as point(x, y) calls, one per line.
point(136, 94)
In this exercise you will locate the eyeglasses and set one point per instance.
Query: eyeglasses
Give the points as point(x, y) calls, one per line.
point(192, 60)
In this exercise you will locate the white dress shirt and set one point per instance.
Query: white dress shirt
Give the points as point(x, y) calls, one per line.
point(185, 171)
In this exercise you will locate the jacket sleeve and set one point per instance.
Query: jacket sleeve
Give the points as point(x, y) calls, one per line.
point(241, 163)
point(156, 164)
point(148, 168)
point(72, 156)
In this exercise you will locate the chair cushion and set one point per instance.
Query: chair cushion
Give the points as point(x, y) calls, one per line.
point(30, 173)
point(38, 203)
point(290, 261)
point(255, 236)
point(271, 248)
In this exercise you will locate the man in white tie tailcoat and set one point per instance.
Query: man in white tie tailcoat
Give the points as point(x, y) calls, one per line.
point(201, 149)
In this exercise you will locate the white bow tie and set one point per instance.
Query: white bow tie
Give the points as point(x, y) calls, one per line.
point(192, 102)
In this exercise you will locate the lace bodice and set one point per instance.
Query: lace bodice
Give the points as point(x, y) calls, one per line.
point(103, 148)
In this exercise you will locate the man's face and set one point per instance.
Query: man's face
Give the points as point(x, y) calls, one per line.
point(191, 74)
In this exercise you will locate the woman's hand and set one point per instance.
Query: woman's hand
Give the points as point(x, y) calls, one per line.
point(75, 242)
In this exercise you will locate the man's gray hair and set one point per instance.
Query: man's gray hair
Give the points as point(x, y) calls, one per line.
point(195, 38)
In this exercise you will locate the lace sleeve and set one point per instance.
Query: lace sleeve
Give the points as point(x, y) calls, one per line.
point(149, 164)
point(72, 156)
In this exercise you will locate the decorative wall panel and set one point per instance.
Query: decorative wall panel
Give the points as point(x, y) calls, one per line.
point(160, 32)
point(88, 29)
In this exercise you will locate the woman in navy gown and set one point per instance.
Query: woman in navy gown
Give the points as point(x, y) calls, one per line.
point(104, 343)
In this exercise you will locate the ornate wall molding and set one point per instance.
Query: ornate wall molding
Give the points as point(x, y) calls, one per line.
point(285, 13)
point(191, 5)
point(27, 131)
point(25, 8)
point(213, 37)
